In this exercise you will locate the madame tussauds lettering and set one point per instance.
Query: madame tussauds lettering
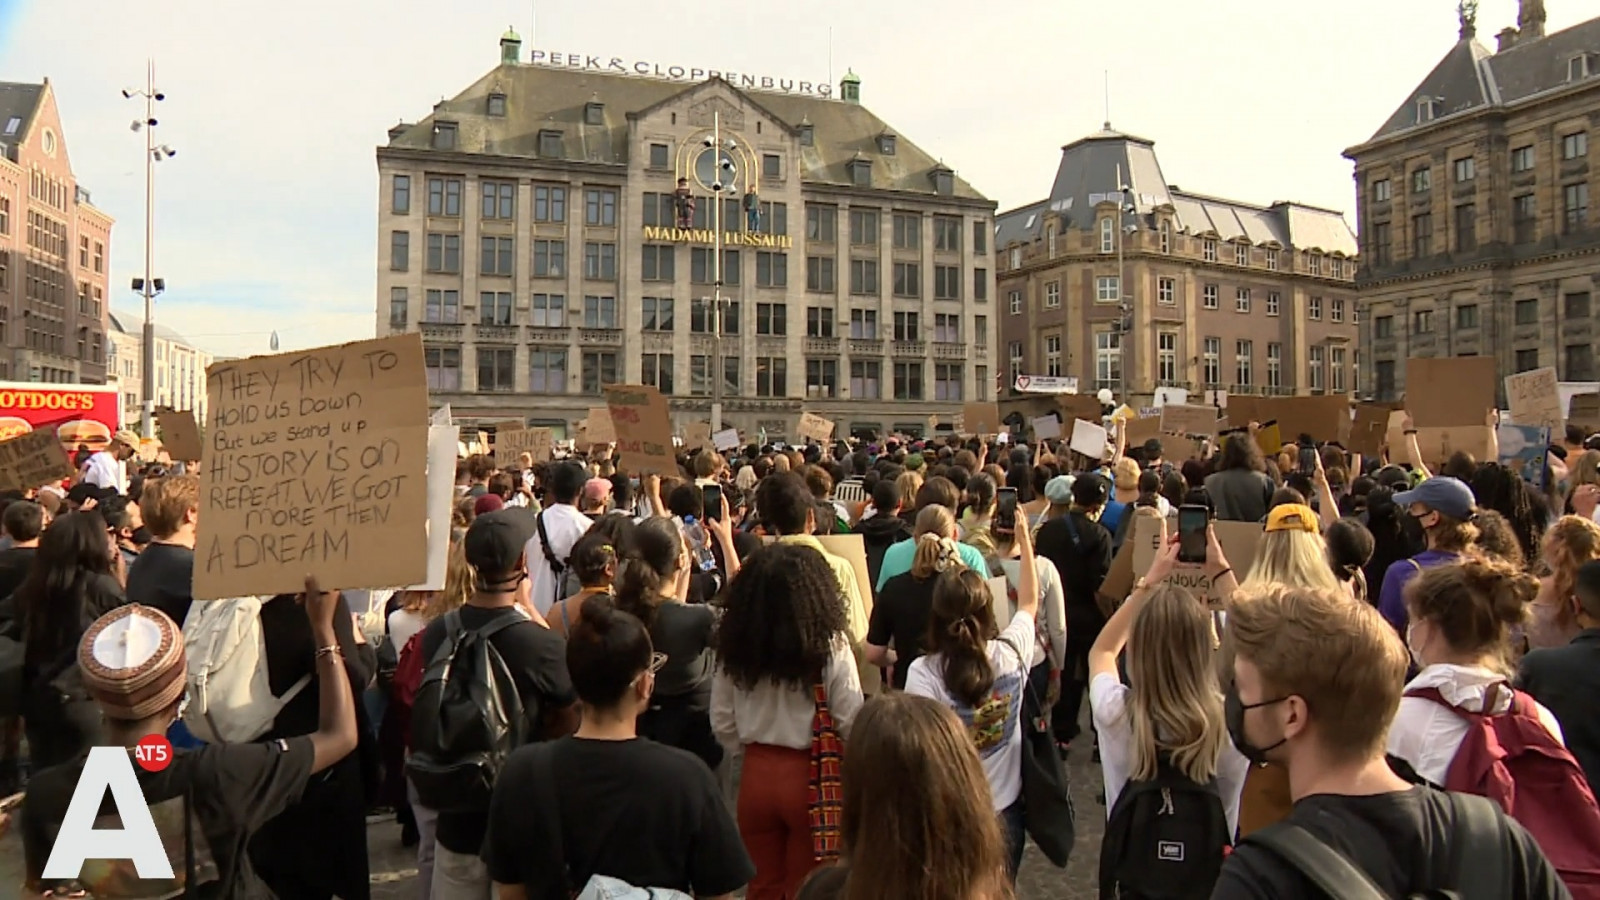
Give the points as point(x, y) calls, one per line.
point(619, 66)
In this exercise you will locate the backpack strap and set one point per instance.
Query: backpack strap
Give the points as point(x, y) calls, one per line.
point(1433, 694)
point(544, 768)
point(544, 545)
point(1482, 845)
point(1331, 871)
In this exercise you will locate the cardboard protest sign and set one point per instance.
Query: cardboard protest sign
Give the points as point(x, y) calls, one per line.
point(33, 459)
point(814, 427)
point(1244, 409)
point(1446, 391)
point(536, 442)
point(1079, 406)
point(1046, 428)
point(1437, 443)
point(1523, 450)
point(1177, 418)
point(1584, 410)
point(599, 429)
point(1238, 540)
point(852, 549)
point(180, 434)
point(1534, 398)
point(697, 434)
point(1269, 437)
point(644, 428)
point(981, 418)
point(441, 497)
point(1367, 431)
point(1088, 438)
point(726, 439)
point(316, 464)
point(1141, 429)
point(1325, 418)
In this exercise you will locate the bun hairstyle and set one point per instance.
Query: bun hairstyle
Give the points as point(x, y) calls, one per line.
point(935, 549)
point(591, 556)
point(1473, 603)
point(606, 650)
point(658, 547)
point(1350, 548)
point(960, 626)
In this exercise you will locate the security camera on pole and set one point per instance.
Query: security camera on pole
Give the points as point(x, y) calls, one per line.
point(725, 178)
point(149, 286)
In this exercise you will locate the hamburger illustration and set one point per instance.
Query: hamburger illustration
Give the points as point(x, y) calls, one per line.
point(84, 433)
point(12, 426)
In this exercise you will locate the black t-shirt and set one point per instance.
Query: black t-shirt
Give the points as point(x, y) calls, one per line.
point(901, 613)
point(233, 790)
point(1399, 839)
point(648, 814)
point(537, 658)
point(1083, 565)
point(15, 563)
point(163, 577)
point(683, 633)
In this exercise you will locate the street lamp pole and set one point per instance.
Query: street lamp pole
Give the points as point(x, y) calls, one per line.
point(148, 286)
point(716, 273)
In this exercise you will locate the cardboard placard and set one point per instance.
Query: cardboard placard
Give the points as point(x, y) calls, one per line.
point(32, 460)
point(1177, 418)
point(852, 548)
point(644, 428)
point(1238, 540)
point(537, 442)
point(1141, 429)
point(1523, 450)
point(1368, 429)
point(180, 434)
point(981, 418)
point(1269, 437)
point(1447, 391)
point(1438, 443)
point(598, 427)
point(1534, 399)
point(1088, 438)
point(1046, 428)
point(1325, 418)
point(1584, 409)
point(1079, 406)
point(726, 439)
point(316, 464)
point(441, 497)
point(814, 427)
point(697, 434)
point(1244, 409)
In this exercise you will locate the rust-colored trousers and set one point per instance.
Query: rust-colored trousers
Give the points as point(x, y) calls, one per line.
point(775, 819)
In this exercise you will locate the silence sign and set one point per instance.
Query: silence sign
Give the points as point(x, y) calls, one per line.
point(316, 464)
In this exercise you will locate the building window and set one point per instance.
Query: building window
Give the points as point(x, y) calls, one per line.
point(1050, 240)
point(1425, 109)
point(399, 308)
point(1052, 355)
point(656, 313)
point(1381, 191)
point(657, 210)
point(1383, 379)
point(863, 228)
point(444, 135)
point(1336, 363)
point(443, 365)
point(947, 282)
point(1576, 305)
point(499, 199)
point(442, 307)
point(1526, 312)
point(771, 166)
point(400, 195)
point(1575, 145)
point(822, 377)
point(907, 327)
point(1522, 159)
point(980, 285)
point(947, 382)
point(700, 376)
point(1167, 357)
point(1274, 302)
point(1467, 316)
point(947, 328)
point(1166, 291)
point(907, 280)
point(656, 371)
point(864, 277)
point(1580, 362)
point(1052, 295)
point(1014, 354)
point(819, 274)
point(1422, 235)
point(550, 259)
point(947, 234)
point(1014, 300)
point(1242, 353)
point(1106, 289)
point(1466, 169)
point(1317, 361)
point(99, 257)
point(1241, 300)
point(1422, 180)
point(1241, 254)
point(599, 312)
point(549, 203)
point(1209, 296)
point(495, 368)
point(819, 321)
point(548, 310)
point(1527, 360)
point(772, 269)
point(1524, 226)
point(5, 215)
point(1272, 259)
point(496, 255)
point(1466, 227)
point(864, 324)
point(494, 307)
point(659, 156)
point(551, 145)
point(1336, 266)
point(1274, 366)
point(1314, 309)
point(599, 370)
point(1107, 358)
point(907, 229)
point(1314, 263)
point(1575, 206)
point(772, 318)
point(980, 238)
point(860, 172)
point(1211, 361)
point(908, 381)
point(444, 253)
point(1108, 236)
point(1379, 244)
point(399, 250)
point(1422, 321)
point(1383, 327)
point(1016, 258)
point(444, 197)
point(980, 331)
point(774, 218)
point(1336, 310)
point(822, 223)
point(1208, 249)
point(600, 207)
point(658, 262)
point(1165, 236)
point(600, 261)
point(866, 380)
point(772, 376)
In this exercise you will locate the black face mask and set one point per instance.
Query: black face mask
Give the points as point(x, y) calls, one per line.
point(1233, 710)
point(140, 536)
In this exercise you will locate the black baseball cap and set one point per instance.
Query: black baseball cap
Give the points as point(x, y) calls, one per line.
point(1091, 490)
point(494, 544)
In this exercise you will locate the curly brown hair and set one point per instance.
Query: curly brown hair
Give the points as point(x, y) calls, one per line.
point(782, 614)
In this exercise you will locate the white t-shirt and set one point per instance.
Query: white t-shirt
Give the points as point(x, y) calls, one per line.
point(780, 715)
point(403, 623)
point(996, 726)
point(564, 525)
point(103, 470)
point(1427, 735)
point(1108, 698)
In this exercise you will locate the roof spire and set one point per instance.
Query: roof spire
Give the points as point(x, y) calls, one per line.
point(1106, 75)
point(1467, 12)
point(1530, 19)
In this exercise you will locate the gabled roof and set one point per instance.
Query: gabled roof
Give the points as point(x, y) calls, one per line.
point(1460, 82)
point(542, 98)
point(19, 104)
point(1532, 68)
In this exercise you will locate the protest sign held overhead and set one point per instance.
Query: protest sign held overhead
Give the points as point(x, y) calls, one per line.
point(980, 418)
point(1046, 428)
point(1534, 398)
point(180, 434)
point(33, 459)
point(815, 428)
point(643, 426)
point(1177, 418)
point(316, 464)
point(1455, 390)
point(1088, 438)
point(510, 445)
point(598, 428)
point(697, 434)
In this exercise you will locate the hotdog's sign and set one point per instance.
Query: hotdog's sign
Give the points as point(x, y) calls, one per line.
point(82, 414)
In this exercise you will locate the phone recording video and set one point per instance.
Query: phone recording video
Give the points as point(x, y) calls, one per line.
point(712, 502)
point(1005, 511)
point(1308, 459)
point(1193, 520)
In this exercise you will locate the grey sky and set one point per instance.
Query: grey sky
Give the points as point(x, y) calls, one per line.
point(267, 217)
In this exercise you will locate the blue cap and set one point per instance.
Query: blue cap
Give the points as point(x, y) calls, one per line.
point(1442, 494)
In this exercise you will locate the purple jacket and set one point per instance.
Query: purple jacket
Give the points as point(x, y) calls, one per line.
point(1391, 601)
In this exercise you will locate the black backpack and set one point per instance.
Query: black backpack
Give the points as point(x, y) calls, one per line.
point(1165, 839)
point(466, 719)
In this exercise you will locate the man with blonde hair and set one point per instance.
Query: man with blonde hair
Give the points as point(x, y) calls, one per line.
point(1317, 683)
point(162, 576)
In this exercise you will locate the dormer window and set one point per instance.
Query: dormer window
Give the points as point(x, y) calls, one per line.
point(1426, 109)
point(944, 181)
point(886, 144)
point(808, 134)
point(497, 105)
point(594, 113)
point(550, 144)
point(444, 135)
point(860, 172)
point(1578, 67)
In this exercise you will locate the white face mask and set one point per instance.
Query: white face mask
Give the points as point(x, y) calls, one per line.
point(1411, 645)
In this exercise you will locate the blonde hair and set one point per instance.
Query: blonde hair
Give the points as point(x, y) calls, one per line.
point(780, 463)
point(1292, 558)
point(936, 551)
point(458, 580)
point(1578, 541)
point(1586, 470)
point(1174, 704)
point(909, 483)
